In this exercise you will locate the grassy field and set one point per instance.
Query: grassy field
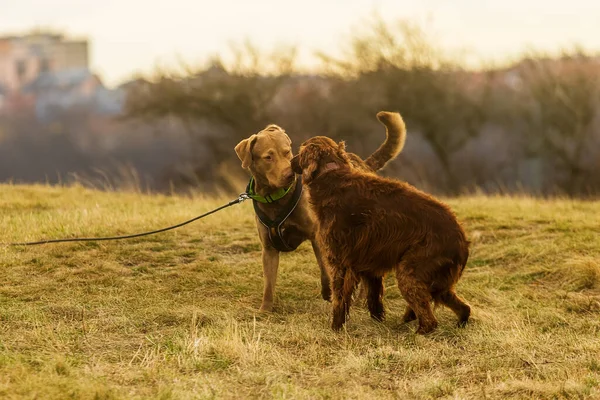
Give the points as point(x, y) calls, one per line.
point(174, 316)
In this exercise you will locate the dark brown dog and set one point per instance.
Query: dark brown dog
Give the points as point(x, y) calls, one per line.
point(267, 155)
point(369, 225)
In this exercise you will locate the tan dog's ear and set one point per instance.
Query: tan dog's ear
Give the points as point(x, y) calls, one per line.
point(244, 151)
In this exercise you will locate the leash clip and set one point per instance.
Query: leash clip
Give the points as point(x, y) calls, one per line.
point(243, 197)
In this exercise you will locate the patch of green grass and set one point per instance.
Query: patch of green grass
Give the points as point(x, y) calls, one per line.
point(174, 316)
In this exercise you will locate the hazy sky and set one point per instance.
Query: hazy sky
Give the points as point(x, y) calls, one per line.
point(129, 36)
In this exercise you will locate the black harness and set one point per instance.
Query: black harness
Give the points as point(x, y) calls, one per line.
point(274, 226)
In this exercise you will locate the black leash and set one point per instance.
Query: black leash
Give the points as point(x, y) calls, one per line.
point(242, 197)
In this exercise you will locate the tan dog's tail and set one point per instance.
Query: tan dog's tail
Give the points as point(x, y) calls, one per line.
point(394, 141)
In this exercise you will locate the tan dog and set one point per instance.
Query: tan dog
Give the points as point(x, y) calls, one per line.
point(369, 225)
point(283, 216)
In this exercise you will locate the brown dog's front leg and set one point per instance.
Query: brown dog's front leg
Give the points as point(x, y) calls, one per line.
point(374, 291)
point(325, 281)
point(344, 283)
point(270, 260)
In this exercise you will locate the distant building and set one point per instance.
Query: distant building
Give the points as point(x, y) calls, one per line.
point(72, 89)
point(2, 96)
point(25, 58)
point(47, 75)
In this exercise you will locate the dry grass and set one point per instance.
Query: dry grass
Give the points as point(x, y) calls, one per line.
point(175, 315)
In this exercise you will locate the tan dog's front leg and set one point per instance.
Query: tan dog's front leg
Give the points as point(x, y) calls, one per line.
point(325, 282)
point(270, 259)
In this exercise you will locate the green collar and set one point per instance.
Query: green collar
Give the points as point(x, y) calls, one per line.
point(271, 197)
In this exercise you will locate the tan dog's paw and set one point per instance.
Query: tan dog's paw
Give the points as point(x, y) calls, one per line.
point(266, 307)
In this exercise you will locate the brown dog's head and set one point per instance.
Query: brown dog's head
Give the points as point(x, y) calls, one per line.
point(317, 155)
point(267, 155)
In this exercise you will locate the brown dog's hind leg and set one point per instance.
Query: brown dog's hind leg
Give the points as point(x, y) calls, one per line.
point(374, 288)
point(419, 300)
point(270, 259)
point(325, 281)
point(456, 304)
point(344, 283)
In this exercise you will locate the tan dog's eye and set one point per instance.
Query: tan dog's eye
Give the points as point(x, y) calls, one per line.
point(268, 158)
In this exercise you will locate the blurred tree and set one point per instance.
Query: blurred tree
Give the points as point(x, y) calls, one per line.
point(219, 105)
point(396, 67)
point(534, 122)
point(561, 112)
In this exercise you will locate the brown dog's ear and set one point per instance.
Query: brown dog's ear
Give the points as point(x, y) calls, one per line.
point(341, 150)
point(309, 170)
point(244, 151)
point(305, 163)
point(295, 164)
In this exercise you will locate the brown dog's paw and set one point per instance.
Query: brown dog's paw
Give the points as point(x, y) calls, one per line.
point(378, 317)
point(266, 307)
point(377, 311)
point(326, 293)
point(464, 317)
point(425, 329)
point(339, 319)
point(409, 315)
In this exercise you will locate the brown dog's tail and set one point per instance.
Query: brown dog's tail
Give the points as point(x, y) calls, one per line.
point(394, 141)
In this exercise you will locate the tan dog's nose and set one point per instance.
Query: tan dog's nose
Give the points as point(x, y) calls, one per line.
point(289, 174)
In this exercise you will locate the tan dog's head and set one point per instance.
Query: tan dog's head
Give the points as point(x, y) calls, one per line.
point(317, 155)
point(267, 155)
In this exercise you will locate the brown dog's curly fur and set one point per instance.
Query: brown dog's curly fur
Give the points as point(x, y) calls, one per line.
point(369, 225)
